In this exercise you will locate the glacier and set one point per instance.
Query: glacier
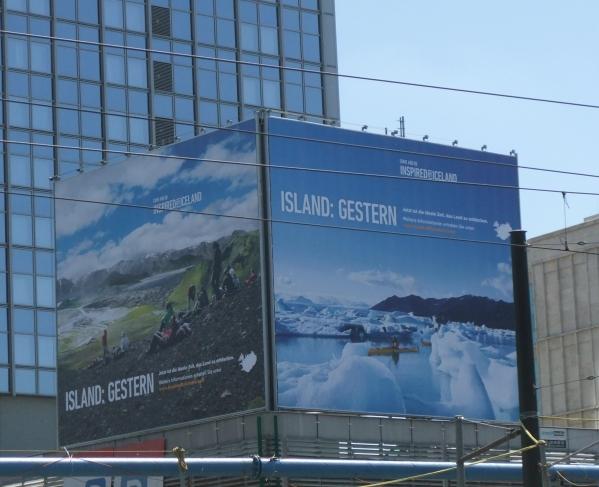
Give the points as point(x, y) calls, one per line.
point(441, 370)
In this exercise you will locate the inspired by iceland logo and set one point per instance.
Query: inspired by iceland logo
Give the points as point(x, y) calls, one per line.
point(502, 230)
point(247, 362)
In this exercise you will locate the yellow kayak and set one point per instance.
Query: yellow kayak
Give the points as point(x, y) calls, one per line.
point(391, 350)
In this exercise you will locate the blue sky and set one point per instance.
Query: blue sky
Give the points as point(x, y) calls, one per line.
point(370, 266)
point(97, 236)
point(540, 49)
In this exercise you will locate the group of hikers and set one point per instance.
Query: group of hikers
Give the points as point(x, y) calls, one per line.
point(172, 329)
point(227, 282)
point(113, 353)
point(175, 326)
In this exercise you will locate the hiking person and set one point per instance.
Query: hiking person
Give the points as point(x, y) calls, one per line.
point(124, 342)
point(183, 330)
point(191, 297)
point(168, 317)
point(161, 338)
point(216, 268)
point(234, 277)
point(203, 298)
point(228, 284)
point(105, 352)
point(252, 278)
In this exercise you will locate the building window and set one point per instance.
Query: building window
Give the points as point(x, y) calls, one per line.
point(24, 381)
point(3, 337)
point(4, 380)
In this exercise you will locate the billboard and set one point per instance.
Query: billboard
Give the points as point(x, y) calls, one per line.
point(391, 274)
point(159, 290)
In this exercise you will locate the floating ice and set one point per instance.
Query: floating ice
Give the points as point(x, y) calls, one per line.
point(474, 380)
point(456, 368)
point(353, 382)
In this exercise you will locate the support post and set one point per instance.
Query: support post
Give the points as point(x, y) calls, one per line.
point(544, 466)
point(531, 459)
point(260, 447)
point(459, 451)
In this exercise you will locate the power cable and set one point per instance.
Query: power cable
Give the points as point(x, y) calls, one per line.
point(303, 224)
point(299, 168)
point(204, 126)
point(307, 70)
point(589, 378)
point(569, 482)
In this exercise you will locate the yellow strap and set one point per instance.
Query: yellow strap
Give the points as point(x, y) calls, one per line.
point(437, 472)
point(529, 434)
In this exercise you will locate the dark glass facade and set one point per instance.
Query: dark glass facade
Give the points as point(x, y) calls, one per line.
point(84, 81)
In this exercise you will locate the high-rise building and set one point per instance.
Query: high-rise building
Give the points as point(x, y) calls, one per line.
point(85, 81)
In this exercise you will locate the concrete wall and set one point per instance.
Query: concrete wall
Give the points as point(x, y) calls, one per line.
point(565, 295)
point(27, 423)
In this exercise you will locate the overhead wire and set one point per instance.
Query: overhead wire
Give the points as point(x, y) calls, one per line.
point(307, 139)
point(535, 444)
point(300, 168)
point(565, 418)
point(290, 222)
point(589, 378)
point(307, 70)
point(342, 172)
point(573, 484)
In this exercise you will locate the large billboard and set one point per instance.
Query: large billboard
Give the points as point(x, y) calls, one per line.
point(159, 289)
point(391, 274)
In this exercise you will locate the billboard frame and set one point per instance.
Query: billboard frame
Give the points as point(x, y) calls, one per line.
point(434, 154)
point(262, 160)
point(266, 355)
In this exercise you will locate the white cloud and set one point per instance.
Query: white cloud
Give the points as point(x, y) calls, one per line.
point(115, 184)
point(243, 174)
point(402, 284)
point(108, 184)
point(176, 231)
point(502, 282)
point(285, 280)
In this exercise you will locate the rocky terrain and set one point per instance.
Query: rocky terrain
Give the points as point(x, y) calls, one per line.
point(464, 309)
point(231, 327)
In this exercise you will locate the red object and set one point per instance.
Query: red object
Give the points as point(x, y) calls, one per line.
point(145, 449)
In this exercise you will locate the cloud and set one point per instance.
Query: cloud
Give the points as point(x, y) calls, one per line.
point(502, 282)
point(174, 232)
point(285, 280)
point(390, 279)
point(123, 182)
point(234, 149)
point(107, 184)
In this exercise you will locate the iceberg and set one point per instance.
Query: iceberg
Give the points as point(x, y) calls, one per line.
point(450, 368)
point(353, 382)
point(474, 379)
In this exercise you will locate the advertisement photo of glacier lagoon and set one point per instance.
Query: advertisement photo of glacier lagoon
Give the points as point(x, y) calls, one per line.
point(409, 344)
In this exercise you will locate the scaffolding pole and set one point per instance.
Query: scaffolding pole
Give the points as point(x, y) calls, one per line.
point(256, 467)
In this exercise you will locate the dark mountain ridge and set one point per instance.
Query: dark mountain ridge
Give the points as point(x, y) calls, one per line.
point(135, 270)
point(474, 309)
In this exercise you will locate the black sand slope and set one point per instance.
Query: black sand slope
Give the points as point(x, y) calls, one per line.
point(200, 376)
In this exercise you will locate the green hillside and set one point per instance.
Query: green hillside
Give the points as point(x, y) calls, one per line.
point(242, 252)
